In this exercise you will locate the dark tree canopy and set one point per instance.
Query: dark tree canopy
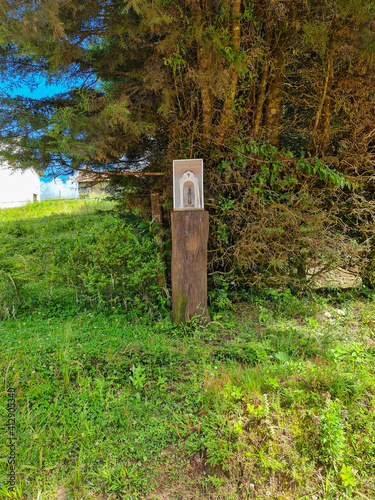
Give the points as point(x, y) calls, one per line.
point(275, 95)
point(190, 75)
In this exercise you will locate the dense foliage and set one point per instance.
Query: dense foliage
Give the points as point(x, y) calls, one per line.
point(204, 78)
point(83, 258)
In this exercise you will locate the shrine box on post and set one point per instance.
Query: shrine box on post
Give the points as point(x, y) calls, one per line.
point(188, 185)
point(190, 228)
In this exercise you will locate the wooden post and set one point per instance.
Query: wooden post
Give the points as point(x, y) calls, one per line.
point(157, 216)
point(189, 265)
point(156, 209)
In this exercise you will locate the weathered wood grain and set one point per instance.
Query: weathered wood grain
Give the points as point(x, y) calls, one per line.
point(189, 265)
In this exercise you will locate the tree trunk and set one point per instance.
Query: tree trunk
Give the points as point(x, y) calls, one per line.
point(258, 115)
point(204, 61)
point(227, 116)
point(324, 109)
point(327, 109)
point(189, 265)
point(273, 112)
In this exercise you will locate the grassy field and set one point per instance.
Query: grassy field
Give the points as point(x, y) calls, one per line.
point(274, 399)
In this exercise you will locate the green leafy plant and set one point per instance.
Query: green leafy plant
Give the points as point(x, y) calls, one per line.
point(217, 440)
point(112, 267)
point(218, 294)
point(332, 434)
point(138, 379)
point(348, 478)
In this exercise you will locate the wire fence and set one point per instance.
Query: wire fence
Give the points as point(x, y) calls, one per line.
point(16, 204)
point(22, 203)
point(37, 216)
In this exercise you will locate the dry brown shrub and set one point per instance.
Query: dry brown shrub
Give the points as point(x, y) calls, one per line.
point(287, 240)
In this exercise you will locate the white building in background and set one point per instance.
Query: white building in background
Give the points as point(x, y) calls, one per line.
point(18, 187)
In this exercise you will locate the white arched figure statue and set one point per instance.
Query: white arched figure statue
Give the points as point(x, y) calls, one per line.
point(189, 190)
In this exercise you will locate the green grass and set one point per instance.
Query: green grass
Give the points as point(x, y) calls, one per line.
point(273, 400)
point(81, 255)
point(54, 207)
point(29, 238)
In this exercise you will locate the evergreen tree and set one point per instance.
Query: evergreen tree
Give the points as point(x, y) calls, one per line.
point(155, 80)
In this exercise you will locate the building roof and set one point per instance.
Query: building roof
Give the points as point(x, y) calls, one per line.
point(92, 177)
point(107, 176)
